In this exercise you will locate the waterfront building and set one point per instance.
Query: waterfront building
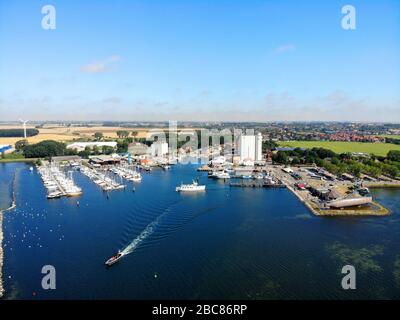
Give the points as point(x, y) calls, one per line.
point(159, 149)
point(4, 148)
point(65, 158)
point(80, 146)
point(137, 149)
point(250, 148)
point(246, 148)
point(258, 147)
point(102, 160)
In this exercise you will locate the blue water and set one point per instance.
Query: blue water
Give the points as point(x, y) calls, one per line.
point(232, 243)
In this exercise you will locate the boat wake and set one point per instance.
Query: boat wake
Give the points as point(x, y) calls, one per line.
point(141, 237)
point(147, 232)
point(165, 224)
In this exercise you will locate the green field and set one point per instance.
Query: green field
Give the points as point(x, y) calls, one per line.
point(393, 136)
point(379, 149)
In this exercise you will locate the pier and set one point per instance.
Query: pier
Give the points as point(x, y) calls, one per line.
point(57, 183)
point(127, 173)
point(321, 208)
point(101, 179)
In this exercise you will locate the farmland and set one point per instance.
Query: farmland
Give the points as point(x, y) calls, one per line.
point(379, 149)
point(66, 134)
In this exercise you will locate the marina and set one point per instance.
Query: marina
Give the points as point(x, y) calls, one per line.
point(220, 233)
point(60, 183)
point(127, 173)
point(57, 182)
point(101, 179)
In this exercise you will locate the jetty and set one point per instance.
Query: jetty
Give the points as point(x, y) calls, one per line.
point(317, 197)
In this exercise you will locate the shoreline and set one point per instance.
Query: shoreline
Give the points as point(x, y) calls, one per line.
point(12, 206)
point(1, 255)
point(377, 211)
point(380, 212)
point(27, 160)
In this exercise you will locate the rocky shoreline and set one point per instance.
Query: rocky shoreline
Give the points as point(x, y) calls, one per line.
point(13, 205)
point(1, 255)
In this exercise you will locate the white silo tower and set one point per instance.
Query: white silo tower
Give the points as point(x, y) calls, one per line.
point(258, 147)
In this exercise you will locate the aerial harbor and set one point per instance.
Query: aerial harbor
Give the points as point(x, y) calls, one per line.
point(199, 151)
point(147, 195)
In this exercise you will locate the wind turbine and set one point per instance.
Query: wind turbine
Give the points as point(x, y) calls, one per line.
point(24, 122)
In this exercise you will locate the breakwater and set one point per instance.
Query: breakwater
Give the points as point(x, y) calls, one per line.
point(12, 206)
point(1, 254)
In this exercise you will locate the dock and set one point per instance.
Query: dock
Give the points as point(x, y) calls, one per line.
point(255, 184)
point(101, 179)
point(57, 183)
point(318, 208)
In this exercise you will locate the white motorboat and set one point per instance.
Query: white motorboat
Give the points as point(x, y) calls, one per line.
point(222, 175)
point(259, 176)
point(137, 177)
point(194, 187)
point(54, 195)
point(114, 259)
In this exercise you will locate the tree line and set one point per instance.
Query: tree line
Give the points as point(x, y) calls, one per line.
point(392, 140)
point(342, 163)
point(17, 133)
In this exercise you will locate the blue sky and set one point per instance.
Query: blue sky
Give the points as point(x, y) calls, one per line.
point(200, 60)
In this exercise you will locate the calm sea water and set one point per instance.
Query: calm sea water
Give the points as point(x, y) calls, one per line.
point(228, 243)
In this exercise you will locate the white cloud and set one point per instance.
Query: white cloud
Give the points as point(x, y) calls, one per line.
point(100, 66)
point(337, 105)
point(285, 48)
point(112, 100)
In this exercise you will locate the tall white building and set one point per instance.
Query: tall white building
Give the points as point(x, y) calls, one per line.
point(159, 149)
point(246, 148)
point(258, 156)
point(250, 147)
